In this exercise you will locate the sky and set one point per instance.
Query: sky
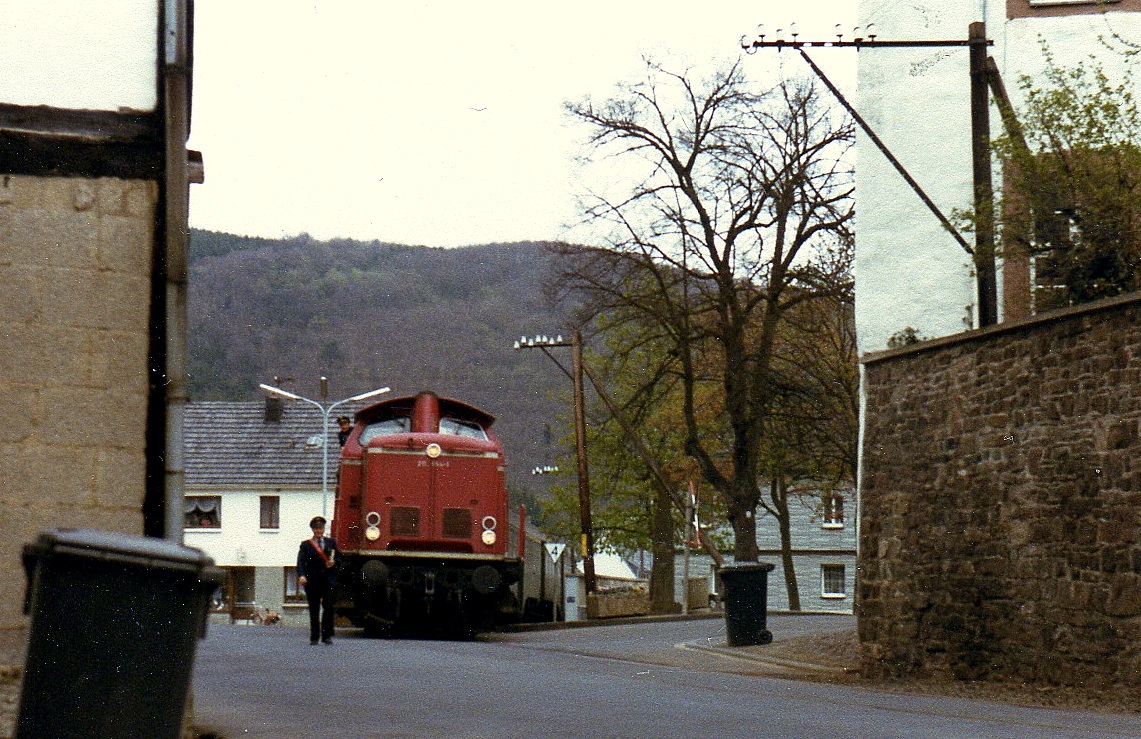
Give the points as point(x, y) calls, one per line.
point(435, 123)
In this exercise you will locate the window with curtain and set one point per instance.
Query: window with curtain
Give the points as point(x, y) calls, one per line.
point(202, 511)
point(832, 583)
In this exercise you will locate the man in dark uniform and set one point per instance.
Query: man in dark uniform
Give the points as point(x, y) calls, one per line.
point(315, 572)
point(346, 425)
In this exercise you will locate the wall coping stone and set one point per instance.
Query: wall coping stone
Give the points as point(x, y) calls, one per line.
point(987, 332)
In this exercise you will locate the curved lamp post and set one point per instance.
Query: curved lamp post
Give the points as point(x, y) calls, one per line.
point(325, 411)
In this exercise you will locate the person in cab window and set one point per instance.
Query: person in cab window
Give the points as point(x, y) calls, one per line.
point(346, 429)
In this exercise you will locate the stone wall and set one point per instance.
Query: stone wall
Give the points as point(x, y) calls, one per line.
point(1001, 502)
point(75, 261)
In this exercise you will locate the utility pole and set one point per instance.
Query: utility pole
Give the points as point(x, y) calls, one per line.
point(583, 469)
point(984, 190)
point(545, 343)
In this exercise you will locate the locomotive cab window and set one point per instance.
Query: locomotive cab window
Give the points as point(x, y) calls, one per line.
point(455, 427)
point(386, 427)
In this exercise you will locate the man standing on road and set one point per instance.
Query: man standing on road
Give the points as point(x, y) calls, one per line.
point(316, 573)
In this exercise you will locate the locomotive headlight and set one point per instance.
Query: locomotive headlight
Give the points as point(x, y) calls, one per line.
point(372, 533)
point(488, 536)
point(433, 450)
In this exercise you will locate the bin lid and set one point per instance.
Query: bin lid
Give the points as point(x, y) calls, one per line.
point(145, 551)
point(736, 567)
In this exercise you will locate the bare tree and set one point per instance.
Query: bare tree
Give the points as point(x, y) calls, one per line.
point(738, 212)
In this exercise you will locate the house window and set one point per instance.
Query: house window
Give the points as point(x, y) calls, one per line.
point(1063, 8)
point(833, 511)
point(202, 512)
point(832, 581)
point(270, 512)
point(293, 592)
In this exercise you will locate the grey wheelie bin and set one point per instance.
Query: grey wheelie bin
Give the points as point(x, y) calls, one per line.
point(115, 620)
point(745, 600)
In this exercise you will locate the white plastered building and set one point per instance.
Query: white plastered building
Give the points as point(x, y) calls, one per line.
point(909, 271)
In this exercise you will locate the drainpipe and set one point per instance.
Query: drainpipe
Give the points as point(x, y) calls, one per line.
point(176, 217)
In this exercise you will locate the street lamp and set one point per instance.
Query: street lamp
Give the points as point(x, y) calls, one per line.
point(545, 343)
point(325, 410)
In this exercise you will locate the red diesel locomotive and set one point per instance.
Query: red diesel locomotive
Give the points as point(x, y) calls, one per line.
point(421, 519)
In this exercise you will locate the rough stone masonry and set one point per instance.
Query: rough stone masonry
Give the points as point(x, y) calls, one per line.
point(1001, 502)
point(75, 262)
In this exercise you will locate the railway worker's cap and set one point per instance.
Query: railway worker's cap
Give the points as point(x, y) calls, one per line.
point(317, 523)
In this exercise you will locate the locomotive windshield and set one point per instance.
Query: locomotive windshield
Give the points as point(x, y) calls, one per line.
point(403, 425)
point(387, 427)
point(466, 429)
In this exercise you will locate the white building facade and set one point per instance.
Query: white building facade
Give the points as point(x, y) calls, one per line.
point(910, 273)
point(259, 555)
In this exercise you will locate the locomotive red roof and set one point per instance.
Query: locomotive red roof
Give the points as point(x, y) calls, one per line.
point(405, 404)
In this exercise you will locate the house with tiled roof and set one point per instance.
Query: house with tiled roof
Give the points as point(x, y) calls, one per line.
point(253, 482)
point(822, 534)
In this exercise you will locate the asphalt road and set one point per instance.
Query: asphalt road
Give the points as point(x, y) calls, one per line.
point(609, 682)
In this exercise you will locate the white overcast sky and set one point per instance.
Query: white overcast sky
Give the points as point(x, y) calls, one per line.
point(435, 123)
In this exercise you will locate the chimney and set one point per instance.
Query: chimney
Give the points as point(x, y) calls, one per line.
point(274, 409)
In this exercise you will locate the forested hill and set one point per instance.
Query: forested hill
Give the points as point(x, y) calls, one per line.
point(369, 314)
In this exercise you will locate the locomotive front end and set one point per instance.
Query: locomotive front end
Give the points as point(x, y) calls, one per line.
point(422, 511)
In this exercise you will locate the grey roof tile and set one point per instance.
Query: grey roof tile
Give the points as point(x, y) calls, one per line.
point(231, 443)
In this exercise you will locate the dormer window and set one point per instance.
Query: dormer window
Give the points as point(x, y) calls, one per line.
point(833, 511)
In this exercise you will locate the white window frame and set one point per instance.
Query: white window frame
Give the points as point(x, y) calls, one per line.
point(216, 510)
point(833, 595)
point(833, 522)
point(291, 591)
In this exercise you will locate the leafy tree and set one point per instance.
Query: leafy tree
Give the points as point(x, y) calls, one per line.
point(738, 212)
point(630, 510)
point(1074, 190)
